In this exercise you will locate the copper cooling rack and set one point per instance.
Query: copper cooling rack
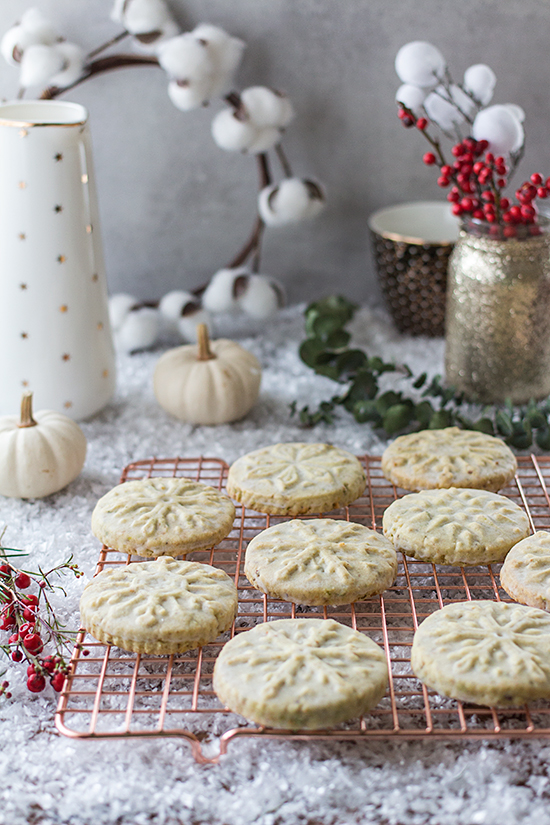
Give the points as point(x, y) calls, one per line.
point(110, 693)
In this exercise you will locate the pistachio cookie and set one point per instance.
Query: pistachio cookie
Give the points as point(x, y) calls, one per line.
point(525, 574)
point(450, 457)
point(162, 516)
point(162, 606)
point(490, 653)
point(296, 478)
point(300, 673)
point(455, 526)
point(320, 561)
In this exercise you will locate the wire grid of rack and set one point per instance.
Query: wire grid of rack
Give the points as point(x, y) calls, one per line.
point(111, 693)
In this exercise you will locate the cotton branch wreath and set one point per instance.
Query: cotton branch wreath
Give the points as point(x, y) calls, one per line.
point(200, 66)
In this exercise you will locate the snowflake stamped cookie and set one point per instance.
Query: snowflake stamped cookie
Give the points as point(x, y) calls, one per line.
point(296, 479)
point(300, 673)
point(320, 561)
point(525, 574)
point(162, 516)
point(162, 606)
point(489, 653)
point(455, 526)
point(451, 457)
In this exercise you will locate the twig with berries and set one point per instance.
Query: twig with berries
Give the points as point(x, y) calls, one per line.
point(30, 619)
point(484, 161)
point(477, 179)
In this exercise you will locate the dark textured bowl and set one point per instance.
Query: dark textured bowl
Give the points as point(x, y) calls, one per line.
point(412, 243)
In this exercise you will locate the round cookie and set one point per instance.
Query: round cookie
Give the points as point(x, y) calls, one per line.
point(490, 653)
point(455, 526)
point(320, 561)
point(162, 516)
point(296, 478)
point(300, 673)
point(451, 457)
point(162, 606)
point(525, 574)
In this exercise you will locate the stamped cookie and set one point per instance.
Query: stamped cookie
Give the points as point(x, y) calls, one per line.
point(525, 574)
point(320, 561)
point(490, 653)
point(455, 526)
point(451, 457)
point(162, 516)
point(300, 673)
point(162, 606)
point(296, 478)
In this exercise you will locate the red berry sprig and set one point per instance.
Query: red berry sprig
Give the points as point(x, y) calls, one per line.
point(32, 624)
point(476, 180)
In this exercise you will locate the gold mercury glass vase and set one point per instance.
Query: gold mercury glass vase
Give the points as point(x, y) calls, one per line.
point(498, 314)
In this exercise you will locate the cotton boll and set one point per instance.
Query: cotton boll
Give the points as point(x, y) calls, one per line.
point(38, 64)
point(147, 20)
point(317, 198)
point(191, 317)
point(73, 63)
point(267, 107)
point(267, 205)
point(219, 295)
point(516, 110)
point(289, 201)
point(292, 200)
point(444, 112)
point(419, 63)
point(480, 80)
point(33, 29)
point(264, 140)
point(260, 299)
point(411, 96)
point(231, 133)
point(120, 305)
point(187, 97)
point(500, 127)
point(171, 304)
point(185, 58)
point(225, 51)
point(139, 329)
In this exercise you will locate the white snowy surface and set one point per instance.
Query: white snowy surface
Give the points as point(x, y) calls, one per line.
point(46, 778)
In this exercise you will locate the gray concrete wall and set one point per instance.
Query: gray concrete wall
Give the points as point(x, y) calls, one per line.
point(175, 208)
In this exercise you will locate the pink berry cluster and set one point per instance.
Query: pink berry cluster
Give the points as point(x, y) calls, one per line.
point(477, 180)
point(19, 616)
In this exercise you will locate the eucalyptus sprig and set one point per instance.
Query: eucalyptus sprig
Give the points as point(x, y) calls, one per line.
point(421, 404)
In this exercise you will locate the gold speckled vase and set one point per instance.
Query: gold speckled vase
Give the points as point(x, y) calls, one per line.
point(55, 338)
point(498, 315)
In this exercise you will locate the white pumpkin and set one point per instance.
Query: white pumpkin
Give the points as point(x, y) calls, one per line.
point(39, 454)
point(212, 382)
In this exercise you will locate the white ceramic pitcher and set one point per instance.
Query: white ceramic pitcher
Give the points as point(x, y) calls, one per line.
point(55, 337)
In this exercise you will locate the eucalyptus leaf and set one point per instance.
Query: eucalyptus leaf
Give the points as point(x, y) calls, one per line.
point(423, 413)
point(387, 400)
point(396, 418)
point(338, 339)
point(309, 351)
point(485, 425)
point(351, 361)
point(503, 421)
point(440, 420)
point(366, 411)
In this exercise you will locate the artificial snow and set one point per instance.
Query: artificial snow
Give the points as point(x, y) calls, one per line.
point(47, 779)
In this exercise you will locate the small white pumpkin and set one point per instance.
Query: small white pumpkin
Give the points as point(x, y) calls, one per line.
point(39, 454)
point(212, 382)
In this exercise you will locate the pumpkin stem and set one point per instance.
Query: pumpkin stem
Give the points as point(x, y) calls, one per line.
point(205, 353)
point(26, 411)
